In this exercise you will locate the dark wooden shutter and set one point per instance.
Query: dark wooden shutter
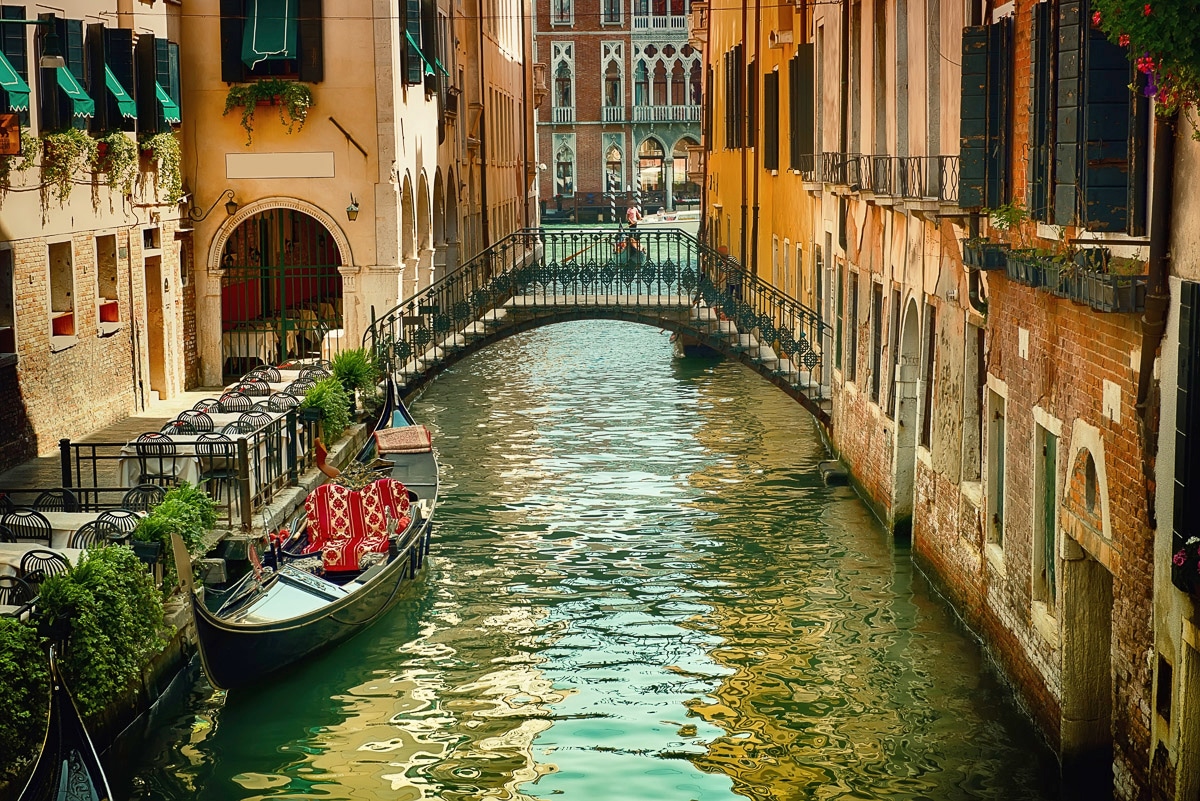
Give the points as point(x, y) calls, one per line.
point(770, 126)
point(1067, 123)
point(973, 129)
point(233, 23)
point(429, 41)
point(750, 77)
point(145, 58)
point(803, 108)
point(1040, 174)
point(415, 67)
point(12, 44)
point(1106, 135)
point(708, 109)
point(106, 113)
point(162, 64)
point(310, 35)
point(730, 97)
point(1186, 518)
point(54, 111)
point(1000, 84)
point(73, 49)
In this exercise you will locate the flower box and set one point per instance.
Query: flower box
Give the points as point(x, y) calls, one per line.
point(1058, 278)
point(1106, 292)
point(1024, 268)
point(983, 254)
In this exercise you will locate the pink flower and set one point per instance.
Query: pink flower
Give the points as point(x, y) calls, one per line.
point(1096, 18)
point(1123, 40)
point(1179, 558)
point(1146, 10)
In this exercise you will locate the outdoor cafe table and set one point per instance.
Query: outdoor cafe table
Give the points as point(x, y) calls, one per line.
point(64, 524)
point(11, 553)
point(184, 465)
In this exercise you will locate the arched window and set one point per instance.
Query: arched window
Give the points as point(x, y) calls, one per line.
point(696, 95)
point(612, 85)
point(641, 84)
point(650, 165)
point(613, 169)
point(564, 171)
point(678, 85)
point(562, 86)
point(660, 84)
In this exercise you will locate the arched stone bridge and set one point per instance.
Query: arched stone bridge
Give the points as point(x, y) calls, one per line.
point(667, 279)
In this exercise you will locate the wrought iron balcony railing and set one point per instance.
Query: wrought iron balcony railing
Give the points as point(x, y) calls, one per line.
point(932, 178)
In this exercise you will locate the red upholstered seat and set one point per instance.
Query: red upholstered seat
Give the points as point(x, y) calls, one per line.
point(344, 524)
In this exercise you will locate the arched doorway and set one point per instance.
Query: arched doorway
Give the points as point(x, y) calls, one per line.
point(650, 171)
point(907, 411)
point(682, 189)
point(439, 228)
point(281, 291)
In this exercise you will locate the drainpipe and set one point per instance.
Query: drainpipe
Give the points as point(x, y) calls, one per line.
point(743, 128)
point(526, 77)
point(758, 108)
point(709, 113)
point(1158, 299)
point(485, 229)
point(845, 110)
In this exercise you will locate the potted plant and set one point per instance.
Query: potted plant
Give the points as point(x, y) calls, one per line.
point(355, 370)
point(117, 157)
point(185, 510)
point(1109, 284)
point(21, 162)
point(65, 153)
point(164, 149)
point(329, 399)
point(294, 99)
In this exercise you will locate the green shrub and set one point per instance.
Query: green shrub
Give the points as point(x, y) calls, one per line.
point(110, 615)
point(331, 398)
point(187, 511)
point(25, 684)
point(355, 369)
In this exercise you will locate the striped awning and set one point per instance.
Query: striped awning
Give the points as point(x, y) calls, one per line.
point(125, 103)
point(81, 105)
point(170, 110)
point(14, 86)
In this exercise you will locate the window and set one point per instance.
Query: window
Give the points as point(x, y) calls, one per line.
point(927, 375)
point(108, 310)
point(974, 381)
point(562, 86)
point(281, 38)
point(837, 329)
point(876, 339)
point(770, 125)
point(111, 77)
point(1041, 45)
point(1045, 520)
point(734, 88)
point(14, 96)
point(852, 329)
point(611, 12)
point(660, 84)
point(641, 84)
point(775, 261)
point(612, 56)
point(62, 290)
point(564, 171)
point(412, 44)
point(1186, 517)
point(612, 85)
point(987, 91)
point(63, 102)
point(613, 169)
point(751, 77)
point(995, 446)
point(894, 355)
point(562, 12)
point(8, 303)
point(800, 108)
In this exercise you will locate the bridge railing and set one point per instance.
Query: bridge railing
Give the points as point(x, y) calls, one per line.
point(594, 267)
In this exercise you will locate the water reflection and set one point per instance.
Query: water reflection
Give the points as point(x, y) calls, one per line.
point(640, 591)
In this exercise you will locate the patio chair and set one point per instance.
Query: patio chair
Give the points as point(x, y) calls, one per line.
point(156, 459)
point(254, 387)
point(27, 525)
point(315, 373)
point(91, 533)
point(262, 406)
point(6, 504)
point(218, 462)
point(143, 497)
point(300, 386)
point(198, 420)
point(207, 405)
point(7, 535)
point(237, 427)
point(234, 401)
point(15, 592)
point(282, 401)
point(121, 523)
point(266, 373)
point(256, 419)
point(182, 427)
point(56, 500)
point(39, 564)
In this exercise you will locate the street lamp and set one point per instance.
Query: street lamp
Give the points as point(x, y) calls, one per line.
point(352, 209)
point(231, 207)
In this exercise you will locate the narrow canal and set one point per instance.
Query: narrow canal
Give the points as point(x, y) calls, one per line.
point(641, 591)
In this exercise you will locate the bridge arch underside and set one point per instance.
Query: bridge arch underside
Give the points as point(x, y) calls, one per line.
point(678, 321)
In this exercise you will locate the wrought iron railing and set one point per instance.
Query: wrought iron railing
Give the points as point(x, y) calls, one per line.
point(540, 271)
point(908, 177)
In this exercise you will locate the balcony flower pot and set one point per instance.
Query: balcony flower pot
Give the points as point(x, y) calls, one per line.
point(1057, 278)
point(1024, 267)
point(983, 254)
point(1106, 292)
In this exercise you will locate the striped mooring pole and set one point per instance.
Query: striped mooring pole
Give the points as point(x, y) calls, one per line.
point(612, 197)
point(637, 198)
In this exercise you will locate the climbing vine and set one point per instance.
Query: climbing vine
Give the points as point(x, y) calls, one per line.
point(164, 147)
point(21, 162)
point(119, 161)
point(64, 154)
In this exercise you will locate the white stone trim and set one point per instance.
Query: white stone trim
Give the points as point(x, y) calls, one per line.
point(1085, 436)
point(217, 246)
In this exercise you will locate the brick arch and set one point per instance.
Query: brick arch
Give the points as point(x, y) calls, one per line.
point(265, 204)
point(1086, 440)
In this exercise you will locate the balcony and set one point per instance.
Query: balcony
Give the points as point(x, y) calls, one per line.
point(698, 25)
point(660, 22)
point(540, 89)
point(931, 178)
point(564, 114)
point(614, 114)
point(666, 113)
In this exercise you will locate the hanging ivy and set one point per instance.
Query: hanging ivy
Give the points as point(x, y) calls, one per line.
point(293, 99)
point(20, 162)
point(64, 154)
point(119, 161)
point(164, 148)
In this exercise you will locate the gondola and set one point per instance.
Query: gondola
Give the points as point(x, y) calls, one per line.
point(273, 620)
point(68, 767)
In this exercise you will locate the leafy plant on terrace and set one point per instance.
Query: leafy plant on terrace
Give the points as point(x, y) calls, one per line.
point(25, 682)
point(164, 147)
point(119, 162)
point(294, 99)
point(333, 402)
point(66, 153)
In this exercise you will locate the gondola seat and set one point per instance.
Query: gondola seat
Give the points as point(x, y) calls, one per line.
point(345, 524)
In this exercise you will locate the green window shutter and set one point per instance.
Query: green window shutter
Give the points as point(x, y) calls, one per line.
point(145, 59)
point(1039, 118)
point(973, 128)
point(793, 97)
point(12, 44)
point(73, 48)
point(173, 71)
point(95, 85)
point(1000, 67)
point(414, 68)
point(311, 41)
point(1067, 127)
point(233, 21)
point(1186, 517)
point(708, 109)
point(804, 116)
point(1106, 135)
point(770, 127)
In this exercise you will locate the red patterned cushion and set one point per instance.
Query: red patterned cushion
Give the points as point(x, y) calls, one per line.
point(343, 524)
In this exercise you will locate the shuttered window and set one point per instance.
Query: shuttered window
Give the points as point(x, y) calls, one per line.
point(801, 96)
point(57, 109)
point(770, 127)
point(12, 44)
point(1039, 118)
point(1186, 517)
point(751, 78)
point(708, 109)
point(109, 54)
point(734, 83)
point(307, 66)
point(985, 114)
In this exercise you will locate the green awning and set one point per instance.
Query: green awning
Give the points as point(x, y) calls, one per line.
point(413, 44)
point(14, 86)
point(169, 109)
point(125, 103)
point(81, 104)
point(270, 31)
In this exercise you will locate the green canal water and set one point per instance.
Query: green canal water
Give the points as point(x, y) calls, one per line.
point(641, 590)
